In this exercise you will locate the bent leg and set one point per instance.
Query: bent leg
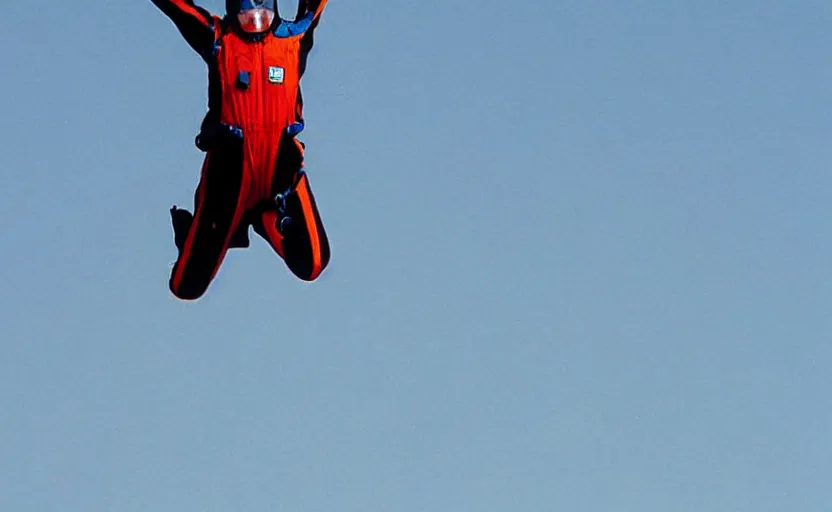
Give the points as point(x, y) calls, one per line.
point(296, 231)
point(305, 244)
point(218, 208)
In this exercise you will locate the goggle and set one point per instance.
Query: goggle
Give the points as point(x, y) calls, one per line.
point(255, 20)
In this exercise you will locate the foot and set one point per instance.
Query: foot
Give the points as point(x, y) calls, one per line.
point(240, 240)
point(181, 220)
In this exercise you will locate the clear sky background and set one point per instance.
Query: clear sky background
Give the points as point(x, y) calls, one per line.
point(580, 262)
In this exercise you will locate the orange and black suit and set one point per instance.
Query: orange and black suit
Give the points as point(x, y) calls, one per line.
point(253, 172)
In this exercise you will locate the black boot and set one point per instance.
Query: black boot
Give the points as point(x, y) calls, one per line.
point(240, 240)
point(181, 220)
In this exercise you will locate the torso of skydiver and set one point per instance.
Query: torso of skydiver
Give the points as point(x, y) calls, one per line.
point(254, 79)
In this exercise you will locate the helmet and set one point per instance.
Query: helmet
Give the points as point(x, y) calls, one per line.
point(253, 16)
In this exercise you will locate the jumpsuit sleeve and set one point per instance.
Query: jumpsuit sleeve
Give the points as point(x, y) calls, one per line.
point(315, 7)
point(197, 25)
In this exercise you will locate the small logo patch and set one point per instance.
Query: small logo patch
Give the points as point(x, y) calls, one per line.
point(276, 74)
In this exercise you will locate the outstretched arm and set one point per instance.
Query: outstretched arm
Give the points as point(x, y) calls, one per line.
point(196, 24)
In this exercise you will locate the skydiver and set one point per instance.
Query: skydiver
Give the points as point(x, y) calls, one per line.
point(253, 171)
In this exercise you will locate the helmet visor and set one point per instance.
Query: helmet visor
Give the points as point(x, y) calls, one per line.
point(255, 20)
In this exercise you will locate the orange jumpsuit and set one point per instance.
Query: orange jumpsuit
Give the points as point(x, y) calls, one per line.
point(253, 172)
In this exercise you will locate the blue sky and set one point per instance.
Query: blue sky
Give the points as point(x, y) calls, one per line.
point(580, 262)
